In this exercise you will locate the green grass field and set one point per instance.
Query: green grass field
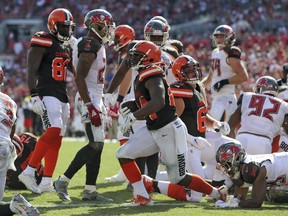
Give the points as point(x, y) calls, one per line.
point(49, 204)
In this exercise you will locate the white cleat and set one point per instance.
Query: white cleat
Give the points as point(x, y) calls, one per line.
point(23, 207)
point(30, 182)
point(46, 188)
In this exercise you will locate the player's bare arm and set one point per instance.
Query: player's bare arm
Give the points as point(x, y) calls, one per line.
point(258, 191)
point(241, 72)
point(180, 106)
point(234, 121)
point(207, 80)
point(125, 84)
point(83, 67)
point(35, 56)
point(156, 90)
point(119, 76)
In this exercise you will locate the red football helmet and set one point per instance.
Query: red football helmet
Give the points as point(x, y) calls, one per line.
point(101, 23)
point(143, 54)
point(227, 32)
point(2, 76)
point(162, 19)
point(18, 145)
point(229, 156)
point(266, 85)
point(124, 34)
point(185, 69)
point(156, 31)
point(61, 24)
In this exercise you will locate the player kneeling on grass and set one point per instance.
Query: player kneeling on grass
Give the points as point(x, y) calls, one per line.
point(260, 171)
point(24, 145)
point(164, 131)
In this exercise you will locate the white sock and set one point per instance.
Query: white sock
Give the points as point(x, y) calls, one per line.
point(163, 187)
point(46, 180)
point(90, 188)
point(13, 209)
point(64, 178)
point(29, 170)
point(215, 194)
point(139, 189)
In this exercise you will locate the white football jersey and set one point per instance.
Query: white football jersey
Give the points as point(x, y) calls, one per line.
point(95, 78)
point(283, 95)
point(8, 110)
point(262, 114)
point(275, 164)
point(221, 70)
point(168, 61)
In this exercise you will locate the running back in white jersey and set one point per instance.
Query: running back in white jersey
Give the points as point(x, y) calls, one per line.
point(8, 109)
point(221, 70)
point(262, 114)
point(95, 78)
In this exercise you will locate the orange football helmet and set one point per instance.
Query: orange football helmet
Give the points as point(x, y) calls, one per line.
point(124, 34)
point(186, 69)
point(143, 54)
point(61, 24)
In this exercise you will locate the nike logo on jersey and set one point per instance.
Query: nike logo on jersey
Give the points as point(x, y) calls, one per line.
point(164, 135)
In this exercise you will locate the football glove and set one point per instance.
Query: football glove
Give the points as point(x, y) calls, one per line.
point(222, 127)
point(127, 123)
point(38, 106)
point(218, 86)
point(198, 142)
point(94, 114)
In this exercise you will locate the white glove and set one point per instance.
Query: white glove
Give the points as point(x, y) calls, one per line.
point(198, 142)
point(124, 111)
point(232, 202)
point(222, 127)
point(128, 121)
point(110, 100)
point(38, 106)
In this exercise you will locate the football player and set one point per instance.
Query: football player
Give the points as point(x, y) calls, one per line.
point(8, 154)
point(226, 71)
point(89, 58)
point(25, 144)
point(48, 60)
point(260, 171)
point(164, 131)
point(261, 116)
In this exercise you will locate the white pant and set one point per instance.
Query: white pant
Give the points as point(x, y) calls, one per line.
point(170, 140)
point(57, 114)
point(254, 144)
point(223, 104)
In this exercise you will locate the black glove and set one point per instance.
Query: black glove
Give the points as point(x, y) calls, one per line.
point(217, 86)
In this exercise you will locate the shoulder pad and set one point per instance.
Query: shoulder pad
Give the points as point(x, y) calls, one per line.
point(42, 39)
point(282, 88)
point(180, 90)
point(250, 171)
point(171, 51)
point(176, 44)
point(151, 72)
point(233, 52)
point(88, 44)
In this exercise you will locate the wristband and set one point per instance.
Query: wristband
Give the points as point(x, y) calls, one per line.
point(120, 98)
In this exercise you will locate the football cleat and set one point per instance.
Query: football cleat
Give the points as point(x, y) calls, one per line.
point(30, 182)
point(89, 196)
point(46, 188)
point(148, 183)
point(140, 201)
point(61, 189)
point(23, 207)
